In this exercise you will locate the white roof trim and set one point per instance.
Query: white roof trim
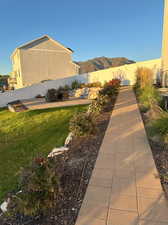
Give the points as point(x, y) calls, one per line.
point(44, 36)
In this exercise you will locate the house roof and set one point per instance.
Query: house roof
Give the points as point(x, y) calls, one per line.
point(41, 39)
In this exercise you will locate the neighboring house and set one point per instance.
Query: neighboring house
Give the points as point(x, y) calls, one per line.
point(40, 60)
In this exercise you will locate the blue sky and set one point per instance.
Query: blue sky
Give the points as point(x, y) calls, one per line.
point(92, 28)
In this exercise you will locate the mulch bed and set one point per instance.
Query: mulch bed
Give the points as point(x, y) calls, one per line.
point(79, 165)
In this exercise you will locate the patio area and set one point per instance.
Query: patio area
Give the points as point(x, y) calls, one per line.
point(125, 187)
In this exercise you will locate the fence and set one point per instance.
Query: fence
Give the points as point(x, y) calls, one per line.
point(126, 73)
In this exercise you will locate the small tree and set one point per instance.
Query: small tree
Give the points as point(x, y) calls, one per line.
point(83, 124)
point(40, 187)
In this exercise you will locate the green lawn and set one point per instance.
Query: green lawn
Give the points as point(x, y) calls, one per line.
point(26, 135)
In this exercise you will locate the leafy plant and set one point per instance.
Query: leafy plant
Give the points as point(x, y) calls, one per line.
point(82, 124)
point(51, 95)
point(63, 93)
point(54, 95)
point(111, 88)
point(148, 96)
point(75, 85)
point(67, 87)
point(98, 104)
point(114, 83)
point(159, 127)
point(40, 187)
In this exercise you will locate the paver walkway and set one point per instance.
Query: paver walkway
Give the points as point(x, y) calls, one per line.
point(40, 103)
point(124, 188)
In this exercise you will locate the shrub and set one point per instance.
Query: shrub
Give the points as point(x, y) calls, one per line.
point(63, 93)
point(114, 83)
point(75, 85)
point(66, 87)
point(82, 124)
point(148, 96)
point(54, 95)
point(159, 126)
point(98, 104)
point(51, 95)
point(40, 187)
point(111, 88)
point(144, 77)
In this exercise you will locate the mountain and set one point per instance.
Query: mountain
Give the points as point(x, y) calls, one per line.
point(101, 63)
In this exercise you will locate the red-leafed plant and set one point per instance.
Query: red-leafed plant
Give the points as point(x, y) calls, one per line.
point(114, 83)
point(111, 88)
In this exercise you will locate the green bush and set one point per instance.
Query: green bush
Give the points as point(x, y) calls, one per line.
point(54, 95)
point(75, 85)
point(82, 124)
point(66, 87)
point(160, 127)
point(40, 187)
point(63, 93)
point(51, 95)
point(98, 104)
point(148, 96)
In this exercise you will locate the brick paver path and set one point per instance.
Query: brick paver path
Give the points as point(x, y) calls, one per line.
point(124, 188)
point(40, 103)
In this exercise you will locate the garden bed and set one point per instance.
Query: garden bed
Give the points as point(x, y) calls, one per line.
point(80, 161)
point(155, 117)
point(160, 155)
point(158, 147)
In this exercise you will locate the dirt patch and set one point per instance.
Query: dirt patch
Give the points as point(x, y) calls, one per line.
point(79, 165)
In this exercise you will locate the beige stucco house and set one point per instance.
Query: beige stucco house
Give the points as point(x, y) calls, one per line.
point(39, 60)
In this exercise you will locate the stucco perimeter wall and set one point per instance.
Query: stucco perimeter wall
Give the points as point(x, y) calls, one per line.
point(126, 73)
point(41, 88)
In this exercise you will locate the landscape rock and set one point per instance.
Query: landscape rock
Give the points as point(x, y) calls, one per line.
point(71, 93)
point(93, 93)
point(81, 92)
point(68, 139)
point(57, 151)
point(4, 205)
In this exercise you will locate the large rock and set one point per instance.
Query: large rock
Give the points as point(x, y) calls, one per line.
point(57, 151)
point(93, 93)
point(4, 205)
point(81, 92)
point(68, 139)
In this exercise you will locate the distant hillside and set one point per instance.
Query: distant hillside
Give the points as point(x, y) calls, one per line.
point(102, 63)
